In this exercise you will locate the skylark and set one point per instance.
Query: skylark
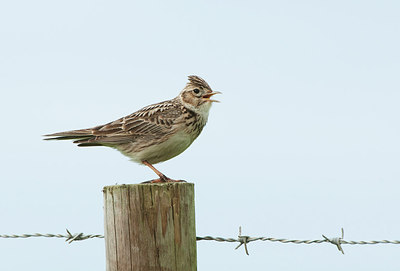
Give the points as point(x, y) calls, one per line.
point(155, 133)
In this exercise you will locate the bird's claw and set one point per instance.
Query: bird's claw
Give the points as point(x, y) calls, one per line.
point(165, 180)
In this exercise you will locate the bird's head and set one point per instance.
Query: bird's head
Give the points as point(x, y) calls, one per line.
point(197, 95)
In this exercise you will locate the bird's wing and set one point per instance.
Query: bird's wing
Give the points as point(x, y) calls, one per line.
point(153, 121)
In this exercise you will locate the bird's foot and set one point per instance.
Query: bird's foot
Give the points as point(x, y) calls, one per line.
point(165, 179)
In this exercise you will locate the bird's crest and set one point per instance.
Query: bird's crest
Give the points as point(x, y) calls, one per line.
point(198, 82)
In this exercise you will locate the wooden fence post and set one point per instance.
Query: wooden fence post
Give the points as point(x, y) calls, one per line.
point(150, 227)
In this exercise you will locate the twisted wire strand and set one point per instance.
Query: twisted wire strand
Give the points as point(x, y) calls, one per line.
point(337, 241)
point(69, 237)
point(294, 241)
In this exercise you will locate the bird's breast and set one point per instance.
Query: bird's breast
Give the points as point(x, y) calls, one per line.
point(163, 151)
point(194, 123)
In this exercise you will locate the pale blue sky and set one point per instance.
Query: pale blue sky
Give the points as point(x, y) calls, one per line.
point(305, 141)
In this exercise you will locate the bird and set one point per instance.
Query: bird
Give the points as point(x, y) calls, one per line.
point(155, 133)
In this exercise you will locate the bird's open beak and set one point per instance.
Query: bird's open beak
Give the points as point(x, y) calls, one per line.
point(209, 95)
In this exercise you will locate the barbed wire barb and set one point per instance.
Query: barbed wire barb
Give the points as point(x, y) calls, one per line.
point(336, 241)
point(243, 240)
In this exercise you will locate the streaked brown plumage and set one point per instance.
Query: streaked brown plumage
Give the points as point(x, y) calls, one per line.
point(155, 133)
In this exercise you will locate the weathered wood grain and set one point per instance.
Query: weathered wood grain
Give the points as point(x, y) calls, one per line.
point(150, 227)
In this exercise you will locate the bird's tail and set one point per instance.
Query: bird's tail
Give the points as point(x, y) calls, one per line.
point(83, 137)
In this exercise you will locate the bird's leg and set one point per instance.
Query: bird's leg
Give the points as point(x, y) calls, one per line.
point(162, 179)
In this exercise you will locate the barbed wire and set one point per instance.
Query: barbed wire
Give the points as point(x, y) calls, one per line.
point(69, 237)
point(241, 239)
point(337, 241)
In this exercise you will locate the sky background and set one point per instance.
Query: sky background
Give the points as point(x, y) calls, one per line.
point(305, 141)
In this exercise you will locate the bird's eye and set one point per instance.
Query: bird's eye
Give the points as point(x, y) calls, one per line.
point(196, 90)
